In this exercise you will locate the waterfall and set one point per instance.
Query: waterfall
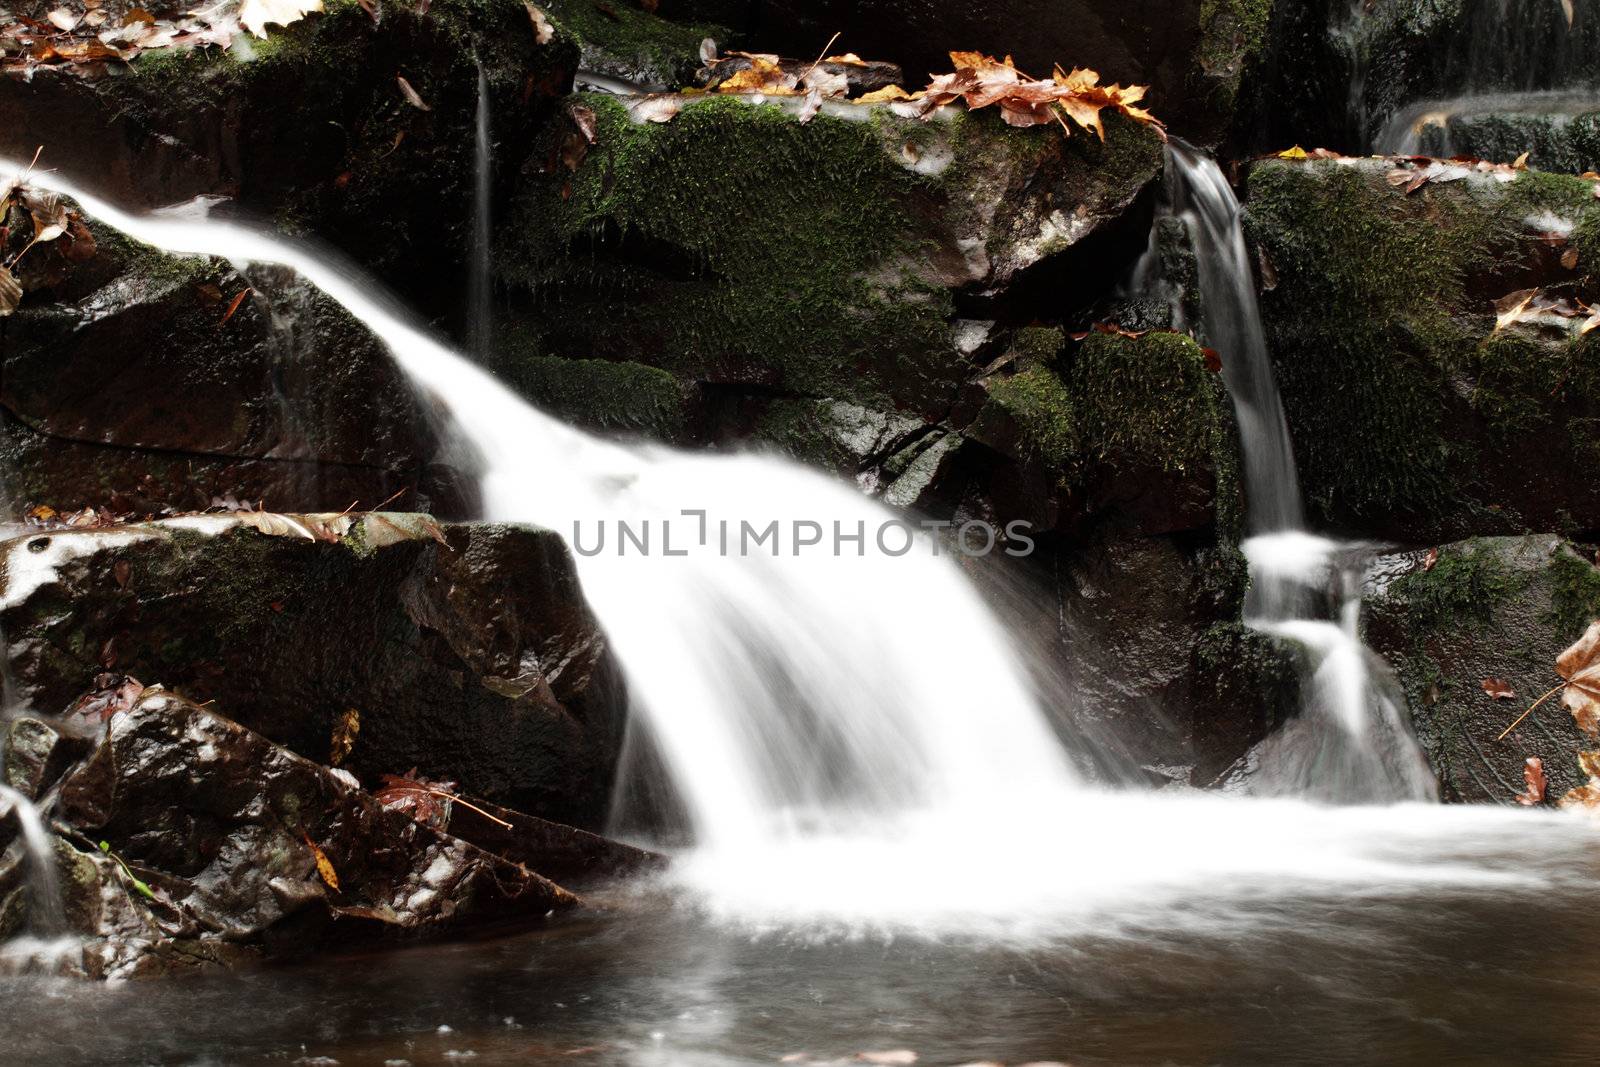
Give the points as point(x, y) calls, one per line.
point(46, 918)
point(1351, 741)
point(479, 282)
point(852, 734)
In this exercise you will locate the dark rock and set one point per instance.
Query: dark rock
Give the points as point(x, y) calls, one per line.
point(634, 47)
point(1494, 607)
point(561, 853)
point(474, 660)
point(352, 162)
point(1413, 417)
point(35, 753)
point(231, 833)
point(124, 386)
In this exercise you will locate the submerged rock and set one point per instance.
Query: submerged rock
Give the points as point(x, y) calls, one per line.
point(1413, 415)
point(465, 652)
point(1489, 608)
point(352, 162)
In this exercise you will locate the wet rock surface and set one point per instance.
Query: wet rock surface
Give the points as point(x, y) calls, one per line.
point(185, 840)
point(472, 657)
point(350, 161)
point(1493, 607)
point(147, 381)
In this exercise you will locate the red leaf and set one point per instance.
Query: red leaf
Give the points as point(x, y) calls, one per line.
point(1533, 777)
point(1499, 689)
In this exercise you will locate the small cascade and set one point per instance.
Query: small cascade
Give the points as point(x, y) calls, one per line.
point(1351, 742)
point(1491, 78)
point(479, 284)
point(46, 917)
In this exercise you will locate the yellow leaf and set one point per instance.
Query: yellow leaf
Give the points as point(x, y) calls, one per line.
point(885, 95)
point(1295, 153)
point(324, 866)
point(345, 729)
point(1521, 162)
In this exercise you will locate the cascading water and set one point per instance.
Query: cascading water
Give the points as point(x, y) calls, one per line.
point(1486, 77)
point(46, 918)
point(1351, 742)
point(853, 735)
point(479, 291)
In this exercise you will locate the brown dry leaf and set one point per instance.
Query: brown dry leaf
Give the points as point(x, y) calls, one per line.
point(233, 307)
point(80, 246)
point(1585, 798)
point(1431, 560)
point(275, 525)
point(1579, 665)
point(543, 32)
point(254, 15)
point(112, 693)
point(10, 292)
point(345, 729)
point(325, 869)
point(381, 528)
point(810, 106)
point(1569, 259)
point(765, 74)
point(1521, 162)
point(64, 19)
point(583, 118)
point(1533, 778)
point(886, 95)
point(1213, 360)
point(412, 96)
point(1499, 689)
point(656, 107)
point(426, 802)
point(1511, 307)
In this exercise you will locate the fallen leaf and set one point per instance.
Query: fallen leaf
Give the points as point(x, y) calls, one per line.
point(810, 106)
point(542, 30)
point(64, 20)
point(1533, 777)
point(1295, 153)
point(583, 118)
point(1509, 308)
point(345, 729)
point(1431, 560)
point(325, 869)
point(10, 292)
point(1569, 259)
point(254, 15)
point(1499, 689)
point(425, 801)
point(1579, 665)
point(275, 525)
point(655, 107)
point(885, 95)
point(1521, 162)
point(1213, 360)
point(112, 693)
point(411, 95)
point(233, 306)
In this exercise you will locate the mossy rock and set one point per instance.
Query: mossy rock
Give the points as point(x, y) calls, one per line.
point(1412, 416)
point(1494, 607)
point(626, 42)
point(349, 161)
point(737, 246)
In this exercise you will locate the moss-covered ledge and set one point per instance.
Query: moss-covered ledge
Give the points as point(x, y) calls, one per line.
point(1412, 415)
point(738, 246)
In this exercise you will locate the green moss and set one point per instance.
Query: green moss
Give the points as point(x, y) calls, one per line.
point(624, 40)
point(1249, 667)
point(733, 237)
point(603, 395)
point(1463, 589)
point(1148, 400)
point(1574, 592)
point(1042, 409)
point(1361, 329)
point(1232, 33)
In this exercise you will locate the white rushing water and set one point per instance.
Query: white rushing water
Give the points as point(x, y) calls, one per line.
point(45, 916)
point(1351, 742)
point(853, 735)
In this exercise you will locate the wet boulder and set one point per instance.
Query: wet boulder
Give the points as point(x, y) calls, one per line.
point(1423, 403)
point(1500, 608)
point(353, 162)
point(465, 652)
point(141, 381)
point(187, 839)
